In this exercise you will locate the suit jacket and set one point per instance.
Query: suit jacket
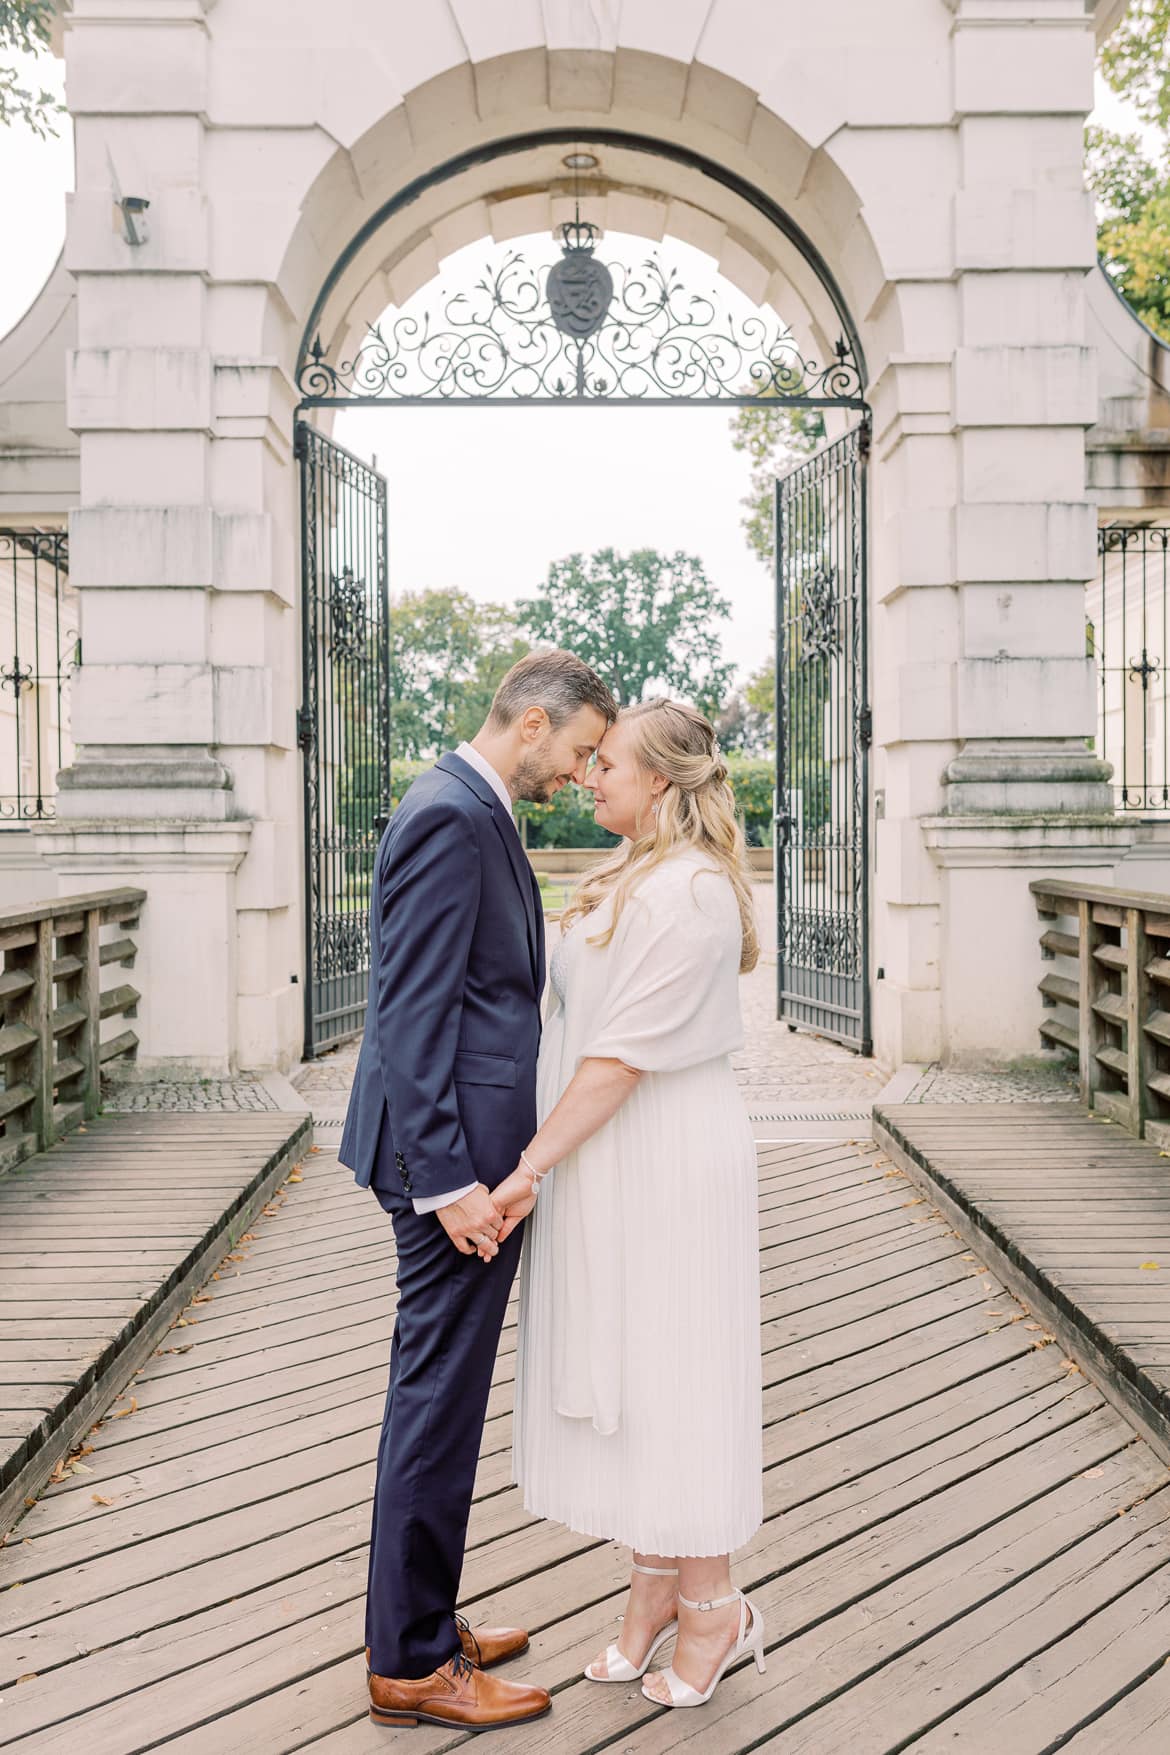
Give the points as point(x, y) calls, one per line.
point(445, 1089)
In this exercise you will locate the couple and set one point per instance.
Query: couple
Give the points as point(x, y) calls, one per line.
point(638, 1415)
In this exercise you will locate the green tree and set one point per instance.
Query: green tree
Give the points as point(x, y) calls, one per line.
point(1135, 62)
point(772, 440)
point(1132, 189)
point(447, 653)
point(25, 29)
point(643, 620)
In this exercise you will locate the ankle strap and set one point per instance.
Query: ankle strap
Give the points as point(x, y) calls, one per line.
point(713, 1603)
point(656, 1571)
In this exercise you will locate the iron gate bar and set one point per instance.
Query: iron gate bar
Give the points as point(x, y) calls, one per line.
point(34, 568)
point(822, 743)
point(1133, 726)
point(343, 725)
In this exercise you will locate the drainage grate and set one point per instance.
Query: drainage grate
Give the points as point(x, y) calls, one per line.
point(812, 1115)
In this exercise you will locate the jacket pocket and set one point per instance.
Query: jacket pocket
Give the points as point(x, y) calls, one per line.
point(484, 1069)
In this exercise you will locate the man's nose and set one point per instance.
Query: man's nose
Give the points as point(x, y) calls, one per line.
point(579, 772)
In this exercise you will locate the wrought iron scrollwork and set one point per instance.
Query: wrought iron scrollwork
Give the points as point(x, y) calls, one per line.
point(349, 615)
point(580, 330)
point(819, 635)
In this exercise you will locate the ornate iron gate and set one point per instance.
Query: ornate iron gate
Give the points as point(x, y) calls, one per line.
point(343, 725)
point(822, 743)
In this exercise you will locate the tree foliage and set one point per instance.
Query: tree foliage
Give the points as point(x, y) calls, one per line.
point(1135, 62)
point(772, 439)
point(447, 654)
point(25, 29)
point(643, 620)
point(1132, 190)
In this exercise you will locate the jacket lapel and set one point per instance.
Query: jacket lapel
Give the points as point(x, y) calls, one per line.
point(517, 858)
point(522, 872)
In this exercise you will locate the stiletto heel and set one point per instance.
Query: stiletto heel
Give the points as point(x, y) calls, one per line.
point(749, 1639)
point(618, 1667)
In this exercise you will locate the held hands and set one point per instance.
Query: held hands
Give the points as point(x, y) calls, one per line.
point(473, 1224)
point(513, 1199)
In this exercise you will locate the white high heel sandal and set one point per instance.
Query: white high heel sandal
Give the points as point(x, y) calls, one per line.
point(617, 1664)
point(750, 1638)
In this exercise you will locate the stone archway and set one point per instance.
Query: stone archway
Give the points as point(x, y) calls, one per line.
point(264, 159)
point(650, 339)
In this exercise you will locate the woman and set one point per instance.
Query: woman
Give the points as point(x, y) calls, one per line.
point(638, 1413)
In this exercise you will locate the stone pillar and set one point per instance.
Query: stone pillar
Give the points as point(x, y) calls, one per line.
point(1023, 793)
point(182, 709)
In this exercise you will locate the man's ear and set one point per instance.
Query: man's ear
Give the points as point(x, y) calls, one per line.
point(533, 723)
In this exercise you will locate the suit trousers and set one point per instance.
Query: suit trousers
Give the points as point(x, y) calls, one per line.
point(447, 1329)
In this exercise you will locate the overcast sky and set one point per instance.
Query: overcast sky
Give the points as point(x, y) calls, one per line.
point(481, 498)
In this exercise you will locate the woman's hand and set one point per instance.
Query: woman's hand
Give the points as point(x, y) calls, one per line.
point(513, 1198)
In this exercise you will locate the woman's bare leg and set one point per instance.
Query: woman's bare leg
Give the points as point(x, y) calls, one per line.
point(650, 1606)
point(705, 1636)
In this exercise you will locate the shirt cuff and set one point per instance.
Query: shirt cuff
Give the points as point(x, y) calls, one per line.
point(432, 1202)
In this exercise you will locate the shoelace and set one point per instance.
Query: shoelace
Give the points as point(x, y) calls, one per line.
point(461, 1665)
point(461, 1623)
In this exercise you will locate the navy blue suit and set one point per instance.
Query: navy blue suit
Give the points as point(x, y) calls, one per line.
point(444, 1095)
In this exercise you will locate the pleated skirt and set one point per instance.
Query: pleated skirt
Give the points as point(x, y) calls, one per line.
point(682, 1475)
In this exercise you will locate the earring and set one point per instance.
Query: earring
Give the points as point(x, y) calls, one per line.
point(654, 808)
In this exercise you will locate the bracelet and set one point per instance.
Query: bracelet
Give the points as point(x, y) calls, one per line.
point(537, 1176)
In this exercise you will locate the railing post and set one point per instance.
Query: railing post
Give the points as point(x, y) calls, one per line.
point(89, 988)
point(1135, 1014)
point(1088, 1023)
point(44, 1124)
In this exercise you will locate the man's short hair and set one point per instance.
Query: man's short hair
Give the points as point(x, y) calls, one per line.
point(560, 682)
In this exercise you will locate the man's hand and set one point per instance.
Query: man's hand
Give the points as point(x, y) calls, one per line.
point(513, 1199)
point(472, 1223)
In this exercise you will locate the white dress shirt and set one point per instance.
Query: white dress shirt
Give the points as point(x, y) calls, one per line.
point(465, 752)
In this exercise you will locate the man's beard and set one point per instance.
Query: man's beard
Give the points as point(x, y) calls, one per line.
point(533, 781)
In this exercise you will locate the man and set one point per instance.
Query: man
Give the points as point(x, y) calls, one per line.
point(443, 1101)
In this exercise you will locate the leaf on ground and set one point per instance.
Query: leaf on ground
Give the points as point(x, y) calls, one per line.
point(100, 1499)
point(1034, 1325)
point(1149, 1267)
point(185, 1349)
point(241, 1256)
point(987, 1286)
point(295, 1176)
point(31, 1675)
point(30, 1503)
point(120, 1413)
point(80, 1468)
point(1091, 1474)
point(916, 1202)
point(248, 1237)
point(1069, 1365)
point(203, 1298)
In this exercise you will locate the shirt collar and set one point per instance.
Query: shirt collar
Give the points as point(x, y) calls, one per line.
point(469, 754)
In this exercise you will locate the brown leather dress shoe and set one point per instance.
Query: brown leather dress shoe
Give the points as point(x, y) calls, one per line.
point(488, 1646)
point(458, 1696)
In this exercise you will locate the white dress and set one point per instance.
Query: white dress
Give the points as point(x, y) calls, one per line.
point(638, 1398)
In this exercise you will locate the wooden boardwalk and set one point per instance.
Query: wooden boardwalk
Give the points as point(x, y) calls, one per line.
point(965, 1547)
point(1076, 1215)
point(103, 1238)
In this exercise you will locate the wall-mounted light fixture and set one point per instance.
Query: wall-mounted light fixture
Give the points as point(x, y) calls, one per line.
point(133, 208)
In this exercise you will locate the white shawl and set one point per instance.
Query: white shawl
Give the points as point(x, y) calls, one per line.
point(662, 996)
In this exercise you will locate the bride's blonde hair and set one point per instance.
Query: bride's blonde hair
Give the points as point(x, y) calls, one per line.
point(696, 809)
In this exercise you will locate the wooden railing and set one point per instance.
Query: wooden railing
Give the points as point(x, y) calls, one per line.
point(52, 1007)
point(1107, 997)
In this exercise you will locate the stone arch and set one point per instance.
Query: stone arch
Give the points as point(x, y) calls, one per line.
point(684, 150)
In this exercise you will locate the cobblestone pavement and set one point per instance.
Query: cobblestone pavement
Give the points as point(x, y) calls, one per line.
point(1055, 1084)
point(221, 1095)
